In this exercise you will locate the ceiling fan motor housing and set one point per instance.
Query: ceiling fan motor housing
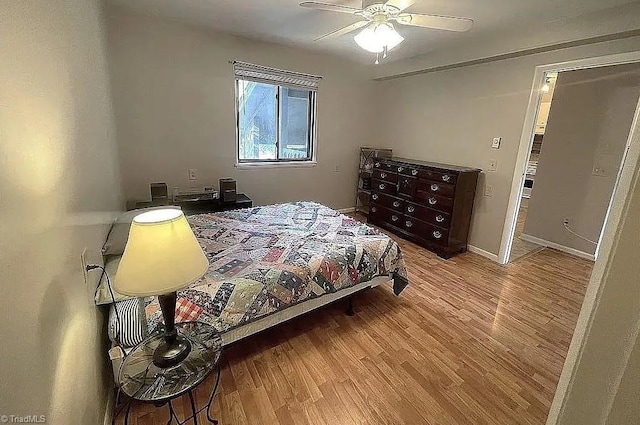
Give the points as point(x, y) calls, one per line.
point(375, 10)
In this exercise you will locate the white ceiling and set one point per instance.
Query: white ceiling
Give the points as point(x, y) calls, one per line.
point(285, 22)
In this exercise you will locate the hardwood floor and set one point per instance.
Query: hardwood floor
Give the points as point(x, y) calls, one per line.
point(468, 342)
point(520, 247)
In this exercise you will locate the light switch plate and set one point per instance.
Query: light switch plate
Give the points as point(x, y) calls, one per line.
point(493, 165)
point(193, 174)
point(495, 143)
point(488, 191)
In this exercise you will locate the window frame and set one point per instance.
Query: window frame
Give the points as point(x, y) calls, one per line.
point(310, 160)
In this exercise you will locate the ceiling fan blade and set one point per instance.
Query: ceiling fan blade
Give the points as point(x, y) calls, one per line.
point(329, 7)
point(400, 4)
point(447, 23)
point(343, 31)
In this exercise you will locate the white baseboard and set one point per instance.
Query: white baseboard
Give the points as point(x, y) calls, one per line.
point(109, 408)
point(557, 246)
point(347, 210)
point(490, 255)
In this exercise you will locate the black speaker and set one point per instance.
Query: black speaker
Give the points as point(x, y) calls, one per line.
point(228, 190)
point(159, 191)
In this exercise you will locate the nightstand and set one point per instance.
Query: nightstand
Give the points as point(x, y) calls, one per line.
point(141, 380)
point(202, 206)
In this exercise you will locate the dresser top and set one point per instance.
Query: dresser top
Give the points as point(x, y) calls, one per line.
point(432, 164)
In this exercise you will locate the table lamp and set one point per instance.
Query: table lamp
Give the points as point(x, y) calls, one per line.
point(162, 255)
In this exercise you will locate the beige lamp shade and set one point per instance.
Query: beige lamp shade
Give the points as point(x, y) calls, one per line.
point(162, 255)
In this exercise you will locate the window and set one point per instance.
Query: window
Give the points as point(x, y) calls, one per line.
point(275, 112)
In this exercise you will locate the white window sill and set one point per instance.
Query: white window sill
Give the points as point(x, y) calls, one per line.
point(262, 165)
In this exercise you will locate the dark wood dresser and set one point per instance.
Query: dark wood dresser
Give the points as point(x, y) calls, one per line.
point(426, 203)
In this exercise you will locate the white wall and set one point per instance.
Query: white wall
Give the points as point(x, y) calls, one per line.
point(174, 104)
point(59, 187)
point(451, 117)
point(599, 384)
point(589, 124)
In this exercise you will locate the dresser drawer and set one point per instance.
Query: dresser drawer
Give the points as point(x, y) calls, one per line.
point(431, 216)
point(435, 234)
point(425, 230)
point(406, 186)
point(438, 188)
point(385, 175)
point(383, 187)
point(438, 175)
point(388, 201)
point(436, 202)
point(408, 171)
point(384, 166)
point(385, 214)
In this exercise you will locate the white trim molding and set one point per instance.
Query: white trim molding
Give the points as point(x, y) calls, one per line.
point(347, 210)
point(526, 140)
point(549, 244)
point(490, 255)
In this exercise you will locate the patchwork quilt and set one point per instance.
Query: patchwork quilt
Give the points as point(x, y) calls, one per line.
point(265, 259)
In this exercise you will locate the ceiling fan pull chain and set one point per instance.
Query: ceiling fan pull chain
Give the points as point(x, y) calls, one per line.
point(377, 58)
point(384, 52)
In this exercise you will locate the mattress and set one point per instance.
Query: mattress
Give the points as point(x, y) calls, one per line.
point(265, 260)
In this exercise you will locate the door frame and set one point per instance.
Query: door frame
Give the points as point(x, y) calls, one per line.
point(528, 131)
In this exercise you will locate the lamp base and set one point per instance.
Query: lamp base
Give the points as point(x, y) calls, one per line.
point(174, 348)
point(168, 354)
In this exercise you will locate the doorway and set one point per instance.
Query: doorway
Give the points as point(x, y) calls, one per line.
point(520, 246)
point(577, 144)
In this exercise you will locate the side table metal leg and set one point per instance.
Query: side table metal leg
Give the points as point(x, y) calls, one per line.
point(193, 408)
point(126, 415)
point(212, 396)
point(172, 413)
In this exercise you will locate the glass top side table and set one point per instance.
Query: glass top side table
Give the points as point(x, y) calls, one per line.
point(141, 380)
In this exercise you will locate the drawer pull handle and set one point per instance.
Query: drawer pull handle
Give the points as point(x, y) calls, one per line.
point(374, 209)
point(435, 187)
point(446, 177)
point(414, 172)
point(374, 196)
point(410, 209)
point(409, 224)
point(382, 186)
point(433, 201)
point(437, 234)
point(439, 218)
point(400, 169)
point(377, 165)
point(394, 218)
point(383, 175)
point(396, 204)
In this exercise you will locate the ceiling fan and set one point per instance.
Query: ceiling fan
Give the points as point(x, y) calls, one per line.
point(379, 35)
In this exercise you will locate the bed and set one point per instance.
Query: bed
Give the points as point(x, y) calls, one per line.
point(270, 264)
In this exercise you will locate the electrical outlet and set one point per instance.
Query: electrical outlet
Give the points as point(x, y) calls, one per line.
point(193, 174)
point(493, 165)
point(599, 171)
point(566, 221)
point(83, 260)
point(488, 191)
point(495, 143)
point(336, 169)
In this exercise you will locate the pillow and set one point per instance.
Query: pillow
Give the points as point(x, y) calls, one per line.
point(129, 326)
point(103, 296)
point(119, 233)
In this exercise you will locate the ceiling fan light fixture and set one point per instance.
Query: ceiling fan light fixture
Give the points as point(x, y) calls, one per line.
point(375, 38)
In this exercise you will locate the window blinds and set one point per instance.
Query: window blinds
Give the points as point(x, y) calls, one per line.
point(264, 74)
